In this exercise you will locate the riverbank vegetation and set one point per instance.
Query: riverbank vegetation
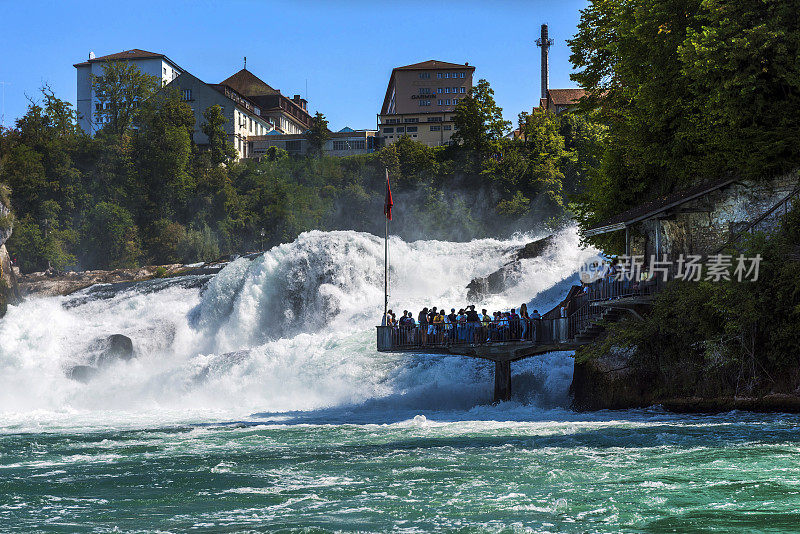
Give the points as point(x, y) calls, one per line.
point(140, 191)
point(720, 339)
point(691, 90)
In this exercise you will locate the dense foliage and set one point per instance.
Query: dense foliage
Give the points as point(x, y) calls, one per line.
point(690, 90)
point(140, 191)
point(729, 338)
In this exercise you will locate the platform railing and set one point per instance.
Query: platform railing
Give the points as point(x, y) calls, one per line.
point(610, 289)
point(580, 313)
point(527, 331)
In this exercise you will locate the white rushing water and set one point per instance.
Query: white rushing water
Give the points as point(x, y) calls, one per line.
point(291, 331)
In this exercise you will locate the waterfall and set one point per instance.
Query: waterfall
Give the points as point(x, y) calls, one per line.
point(291, 330)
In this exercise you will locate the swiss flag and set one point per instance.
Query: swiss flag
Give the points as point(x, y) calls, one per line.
point(387, 205)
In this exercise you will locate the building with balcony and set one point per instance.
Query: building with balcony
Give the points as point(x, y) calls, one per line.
point(345, 142)
point(244, 119)
point(289, 115)
point(420, 101)
point(151, 63)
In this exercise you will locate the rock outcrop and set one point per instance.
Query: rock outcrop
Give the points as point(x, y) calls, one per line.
point(102, 353)
point(9, 292)
point(608, 383)
point(112, 349)
point(498, 281)
point(613, 382)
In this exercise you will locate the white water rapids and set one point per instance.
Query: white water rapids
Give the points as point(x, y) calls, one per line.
point(291, 331)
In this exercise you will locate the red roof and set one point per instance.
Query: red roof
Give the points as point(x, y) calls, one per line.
point(133, 53)
point(433, 64)
point(565, 97)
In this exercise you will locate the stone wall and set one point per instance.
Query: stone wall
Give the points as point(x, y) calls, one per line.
point(703, 225)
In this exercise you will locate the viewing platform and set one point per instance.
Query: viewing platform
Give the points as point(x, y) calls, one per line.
point(576, 321)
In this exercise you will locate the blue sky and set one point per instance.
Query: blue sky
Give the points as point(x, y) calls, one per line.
point(343, 50)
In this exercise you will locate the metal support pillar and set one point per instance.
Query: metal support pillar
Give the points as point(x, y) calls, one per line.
point(502, 380)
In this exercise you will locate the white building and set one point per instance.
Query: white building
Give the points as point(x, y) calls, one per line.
point(244, 117)
point(151, 63)
point(345, 142)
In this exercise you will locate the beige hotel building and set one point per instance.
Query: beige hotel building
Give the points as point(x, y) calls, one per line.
point(420, 100)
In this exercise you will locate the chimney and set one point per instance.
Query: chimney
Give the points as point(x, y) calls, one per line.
point(545, 42)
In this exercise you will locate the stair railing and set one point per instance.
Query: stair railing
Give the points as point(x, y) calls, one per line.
point(755, 222)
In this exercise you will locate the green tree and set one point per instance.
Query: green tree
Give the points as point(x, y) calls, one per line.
point(119, 92)
point(162, 149)
point(479, 120)
point(221, 151)
point(111, 239)
point(742, 73)
point(317, 134)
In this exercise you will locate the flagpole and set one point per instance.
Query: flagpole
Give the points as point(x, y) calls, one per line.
point(386, 260)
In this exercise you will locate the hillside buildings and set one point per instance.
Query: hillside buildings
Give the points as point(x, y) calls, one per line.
point(151, 63)
point(244, 116)
point(560, 100)
point(253, 108)
point(420, 100)
point(290, 116)
point(345, 142)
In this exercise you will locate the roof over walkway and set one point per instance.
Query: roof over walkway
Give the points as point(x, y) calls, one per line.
point(657, 206)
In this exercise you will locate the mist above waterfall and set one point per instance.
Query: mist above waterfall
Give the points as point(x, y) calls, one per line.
point(291, 330)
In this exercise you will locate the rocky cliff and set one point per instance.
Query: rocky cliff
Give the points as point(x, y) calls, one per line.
point(9, 292)
point(499, 280)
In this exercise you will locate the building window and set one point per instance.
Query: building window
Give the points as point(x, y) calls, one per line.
point(293, 146)
point(340, 145)
point(411, 129)
point(424, 75)
point(357, 145)
point(388, 130)
point(448, 127)
point(400, 129)
point(424, 90)
point(447, 102)
point(392, 121)
point(424, 102)
point(439, 102)
point(412, 119)
point(447, 90)
point(165, 71)
point(462, 90)
point(434, 119)
point(186, 95)
point(436, 128)
point(439, 75)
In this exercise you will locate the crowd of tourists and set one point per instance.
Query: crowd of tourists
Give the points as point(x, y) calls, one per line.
point(435, 325)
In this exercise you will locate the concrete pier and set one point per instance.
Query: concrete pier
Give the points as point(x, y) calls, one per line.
point(502, 380)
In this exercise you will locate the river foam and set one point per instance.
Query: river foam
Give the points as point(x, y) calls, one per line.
point(291, 331)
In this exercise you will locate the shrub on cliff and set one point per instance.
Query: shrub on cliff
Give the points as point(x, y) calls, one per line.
point(722, 338)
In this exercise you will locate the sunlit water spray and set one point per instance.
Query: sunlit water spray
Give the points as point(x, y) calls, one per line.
point(290, 331)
